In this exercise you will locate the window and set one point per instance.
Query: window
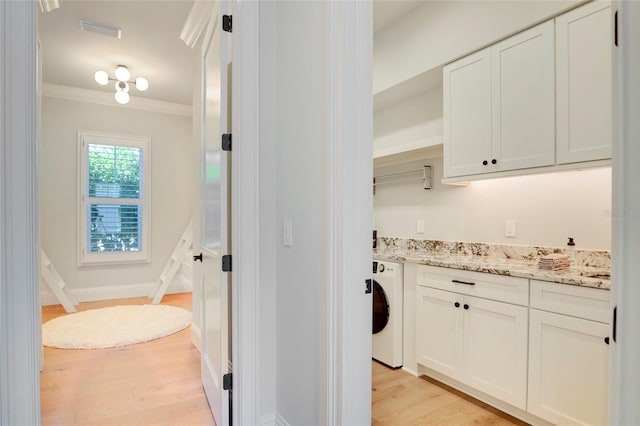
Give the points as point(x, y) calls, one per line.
point(114, 198)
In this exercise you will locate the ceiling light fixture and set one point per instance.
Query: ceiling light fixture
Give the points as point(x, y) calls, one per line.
point(122, 76)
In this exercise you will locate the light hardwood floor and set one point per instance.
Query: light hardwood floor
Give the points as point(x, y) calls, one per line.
point(158, 383)
point(152, 383)
point(398, 398)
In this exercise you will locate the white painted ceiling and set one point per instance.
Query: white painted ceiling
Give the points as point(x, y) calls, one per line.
point(390, 12)
point(150, 46)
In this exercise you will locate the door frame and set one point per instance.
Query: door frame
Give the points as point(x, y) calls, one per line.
point(20, 348)
point(624, 377)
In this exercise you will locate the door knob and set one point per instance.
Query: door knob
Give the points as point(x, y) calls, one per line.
point(197, 257)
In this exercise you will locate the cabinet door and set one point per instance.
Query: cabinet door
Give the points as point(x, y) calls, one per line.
point(523, 98)
point(584, 58)
point(467, 115)
point(439, 331)
point(495, 349)
point(568, 369)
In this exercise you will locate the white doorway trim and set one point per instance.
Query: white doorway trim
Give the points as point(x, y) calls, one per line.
point(245, 207)
point(350, 204)
point(624, 373)
point(20, 347)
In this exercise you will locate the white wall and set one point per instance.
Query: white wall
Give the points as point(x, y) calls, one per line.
point(437, 32)
point(171, 189)
point(413, 123)
point(548, 208)
point(301, 188)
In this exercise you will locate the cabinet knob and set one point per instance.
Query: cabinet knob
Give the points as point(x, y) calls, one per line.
point(606, 340)
point(457, 304)
point(485, 162)
point(466, 306)
point(494, 161)
point(197, 257)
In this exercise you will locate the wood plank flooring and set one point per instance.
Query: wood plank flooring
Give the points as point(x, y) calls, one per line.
point(398, 398)
point(158, 383)
point(152, 383)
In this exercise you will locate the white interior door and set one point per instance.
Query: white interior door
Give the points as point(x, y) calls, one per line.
point(214, 221)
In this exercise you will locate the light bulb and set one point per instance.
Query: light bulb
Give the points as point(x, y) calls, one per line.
point(102, 78)
point(122, 73)
point(122, 97)
point(122, 86)
point(142, 84)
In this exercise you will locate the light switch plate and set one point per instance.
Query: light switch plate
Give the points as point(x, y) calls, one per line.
point(287, 233)
point(510, 228)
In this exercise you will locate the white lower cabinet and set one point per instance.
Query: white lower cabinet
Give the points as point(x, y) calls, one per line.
point(481, 343)
point(568, 369)
point(439, 338)
point(538, 346)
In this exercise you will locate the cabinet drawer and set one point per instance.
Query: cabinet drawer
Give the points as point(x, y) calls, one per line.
point(582, 302)
point(489, 286)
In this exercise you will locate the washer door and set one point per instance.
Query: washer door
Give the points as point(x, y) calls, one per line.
point(380, 308)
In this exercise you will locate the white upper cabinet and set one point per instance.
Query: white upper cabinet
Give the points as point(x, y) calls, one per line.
point(467, 114)
point(499, 106)
point(546, 95)
point(523, 112)
point(584, 40)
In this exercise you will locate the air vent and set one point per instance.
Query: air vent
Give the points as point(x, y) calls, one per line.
point(107, 30)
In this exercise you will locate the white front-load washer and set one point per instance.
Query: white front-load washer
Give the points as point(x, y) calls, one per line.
point(387, 289)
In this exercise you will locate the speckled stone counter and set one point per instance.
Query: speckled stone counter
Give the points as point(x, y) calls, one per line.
point(590, 269)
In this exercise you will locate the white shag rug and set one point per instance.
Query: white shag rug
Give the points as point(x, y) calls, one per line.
point(114, 326)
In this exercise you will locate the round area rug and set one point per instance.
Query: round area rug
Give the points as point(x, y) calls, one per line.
point(114, 326)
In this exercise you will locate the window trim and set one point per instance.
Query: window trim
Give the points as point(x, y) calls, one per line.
point(86, 258)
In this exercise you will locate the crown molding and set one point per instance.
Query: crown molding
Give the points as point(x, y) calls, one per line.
point(196, 22)
point(103, 98)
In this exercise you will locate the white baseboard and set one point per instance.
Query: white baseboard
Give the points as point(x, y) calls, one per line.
point(408, 370)
point(279, 420)
point(196, 337)
point(113, 292)
point(273, 419)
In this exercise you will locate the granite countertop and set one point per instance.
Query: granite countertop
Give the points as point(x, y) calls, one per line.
point(583, 275)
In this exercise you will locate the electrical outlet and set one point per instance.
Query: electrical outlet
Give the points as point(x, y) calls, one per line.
point(510, 228)
point(420, 226)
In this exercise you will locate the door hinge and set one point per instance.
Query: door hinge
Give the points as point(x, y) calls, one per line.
point(226, 23)
point(614, 325)
point(226, 141)
point(226, 263)
point(227, 382)
point(367, 289)
point(615, 28)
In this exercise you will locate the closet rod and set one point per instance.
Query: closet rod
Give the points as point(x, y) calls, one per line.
point(399, 173)
point(398, 181)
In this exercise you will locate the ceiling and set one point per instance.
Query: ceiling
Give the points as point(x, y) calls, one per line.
point(150, 46)
point(386, 12)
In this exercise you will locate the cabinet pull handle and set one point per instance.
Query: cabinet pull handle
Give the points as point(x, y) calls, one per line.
point(462, 282)
point(466, 306)
point(606, 340)
point(457, 304)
